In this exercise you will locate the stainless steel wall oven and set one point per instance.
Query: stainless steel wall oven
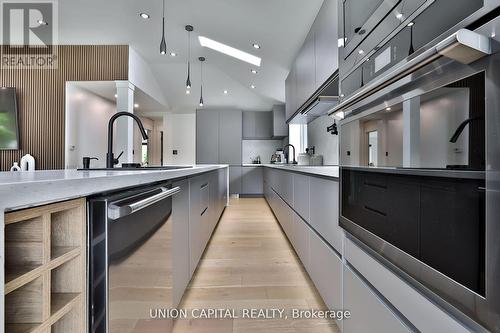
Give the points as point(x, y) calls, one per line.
point(420, 173)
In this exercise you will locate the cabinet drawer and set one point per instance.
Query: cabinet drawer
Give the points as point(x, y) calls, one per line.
point(324, 210)
point(325, 269)
point(301, 240)
point(301, 195)
point(422, 313)
point(369, 313)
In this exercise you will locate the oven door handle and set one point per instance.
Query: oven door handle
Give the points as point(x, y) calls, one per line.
point(116, 211)
point(464, 46)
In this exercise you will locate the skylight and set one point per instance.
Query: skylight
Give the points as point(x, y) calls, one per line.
point(230, 51)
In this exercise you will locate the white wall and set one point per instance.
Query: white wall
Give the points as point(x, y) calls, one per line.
point(179, 134)
point(264, 148)
point(326, 144)
point(141, 76)
point(87, 117)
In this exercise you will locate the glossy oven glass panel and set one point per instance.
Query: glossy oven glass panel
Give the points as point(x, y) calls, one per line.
point(440, 16)
point(441, 129)
point(437, 220)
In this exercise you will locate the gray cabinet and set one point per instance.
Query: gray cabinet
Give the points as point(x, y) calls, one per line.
point(324, 210)
point(257, 125)
point(316, 61)
point(252, 180)
point(235, 179)
point(326, 40)
point(301, 195)
point(372, 315)
point(180, 249)
point(325, 269)
point(218, 137)
point(290, 97)
point(305, 67)
point(280, 127)
point(230, 135)
point(301, 240)
point(207, 137)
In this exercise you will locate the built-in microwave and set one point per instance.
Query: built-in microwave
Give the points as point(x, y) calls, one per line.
point(377, 36)
point(420, 174)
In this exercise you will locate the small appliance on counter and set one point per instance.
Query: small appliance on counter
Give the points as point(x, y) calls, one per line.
point(255, 160)
point(304, 159)
point(278, 157)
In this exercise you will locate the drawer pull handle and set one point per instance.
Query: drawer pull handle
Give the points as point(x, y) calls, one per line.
point(375, 211)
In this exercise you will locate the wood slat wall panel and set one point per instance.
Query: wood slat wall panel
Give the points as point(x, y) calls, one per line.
point(41, 98)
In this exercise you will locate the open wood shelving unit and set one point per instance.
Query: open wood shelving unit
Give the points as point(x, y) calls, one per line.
point(45, 274)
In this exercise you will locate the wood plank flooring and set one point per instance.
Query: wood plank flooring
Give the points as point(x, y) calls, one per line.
point(249, 263)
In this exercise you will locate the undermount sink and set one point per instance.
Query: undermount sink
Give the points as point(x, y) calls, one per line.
point(168, 167)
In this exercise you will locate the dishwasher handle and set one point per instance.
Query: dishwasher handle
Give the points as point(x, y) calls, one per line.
point(116, 211)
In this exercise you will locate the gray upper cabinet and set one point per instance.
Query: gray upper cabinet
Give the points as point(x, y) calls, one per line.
point(207, 137)
point(290, 88)
point(230, 135)
point(306, 70)
point(316, 61)
point(280, 127)
point(326, 37)
point(257, 125)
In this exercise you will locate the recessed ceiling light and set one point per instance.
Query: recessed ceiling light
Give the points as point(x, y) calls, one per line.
point(230, 51)
point(342, 95)
point(144, 15)
point(42, 22)
point(256, 46)
point(361, 51)
point(411, 24)
point(188, 92)
point(253, 86)
point(493, 35)
point(173, 54)
point(399, 16)
point(254, 71)
point(225, 92)
point(388, 109)
point(136, 105)
point(116, 95)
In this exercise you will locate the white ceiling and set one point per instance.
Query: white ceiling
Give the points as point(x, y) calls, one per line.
point(279, 26)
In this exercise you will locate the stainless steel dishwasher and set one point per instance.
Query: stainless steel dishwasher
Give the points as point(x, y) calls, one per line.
point(130, 259)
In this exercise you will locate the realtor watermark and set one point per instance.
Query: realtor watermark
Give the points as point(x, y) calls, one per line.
point(29, 32)
point(249, 313)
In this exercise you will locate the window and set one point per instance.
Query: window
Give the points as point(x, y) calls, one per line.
point(298, 138)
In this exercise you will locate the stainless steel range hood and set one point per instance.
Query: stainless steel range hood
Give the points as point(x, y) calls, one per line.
point(324, 99)
point(320, 103)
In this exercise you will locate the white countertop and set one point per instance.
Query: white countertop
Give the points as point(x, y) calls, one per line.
point(26, 189)
point(324, 170)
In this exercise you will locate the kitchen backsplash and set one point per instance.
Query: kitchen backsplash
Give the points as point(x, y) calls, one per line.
point(326, 144)
point(263, 148)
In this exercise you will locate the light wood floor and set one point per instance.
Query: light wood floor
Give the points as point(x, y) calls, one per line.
point(249, 263)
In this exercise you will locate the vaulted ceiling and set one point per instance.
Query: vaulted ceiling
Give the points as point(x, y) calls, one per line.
point(279, 26)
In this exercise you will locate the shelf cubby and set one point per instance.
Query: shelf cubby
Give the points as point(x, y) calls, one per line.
point(24, 251)
point(25, 308)
point(45, 256)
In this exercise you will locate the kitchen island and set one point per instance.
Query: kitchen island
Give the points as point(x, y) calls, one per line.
point(43, 221)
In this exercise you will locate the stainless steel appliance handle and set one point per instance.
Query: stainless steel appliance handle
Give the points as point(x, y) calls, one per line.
point(464, 46)
point(115, 211)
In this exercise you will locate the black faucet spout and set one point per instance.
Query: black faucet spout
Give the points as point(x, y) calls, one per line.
point(461, 128)
point(293, 152)
point(110, 158)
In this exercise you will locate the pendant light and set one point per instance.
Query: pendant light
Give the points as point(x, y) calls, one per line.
point(163, 44)
point(201, 59)
point(189, 29)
